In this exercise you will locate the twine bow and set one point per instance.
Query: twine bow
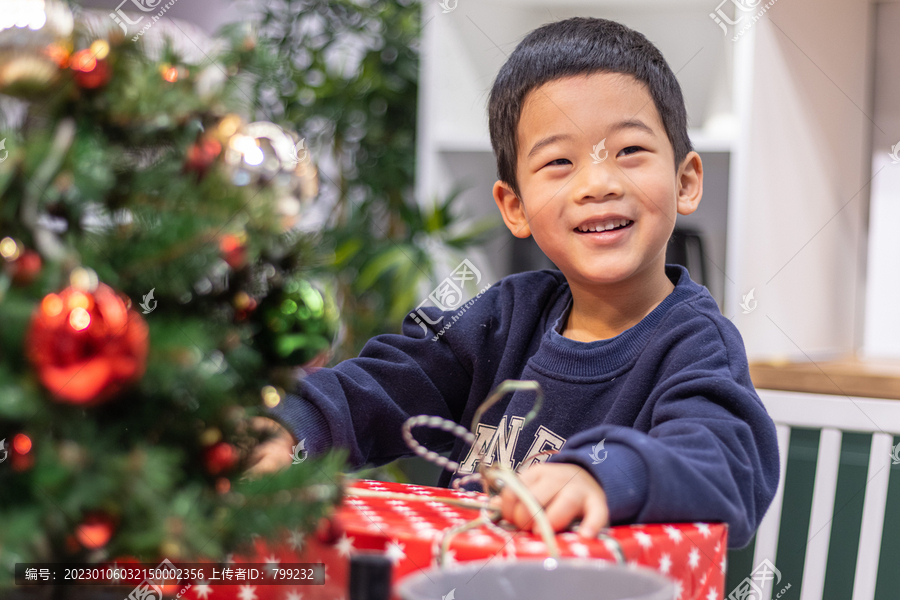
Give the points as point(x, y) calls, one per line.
point(493, 477)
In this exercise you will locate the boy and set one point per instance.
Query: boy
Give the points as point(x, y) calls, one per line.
point(648, 395)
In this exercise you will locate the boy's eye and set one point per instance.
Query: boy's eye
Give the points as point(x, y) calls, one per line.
point(555, 162)
point(631, 150)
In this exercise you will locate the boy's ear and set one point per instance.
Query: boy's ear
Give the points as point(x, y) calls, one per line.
point(690, 184)
point(512, 209)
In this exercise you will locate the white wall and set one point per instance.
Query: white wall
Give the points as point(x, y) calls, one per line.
point(882, 320)
point(801, 196)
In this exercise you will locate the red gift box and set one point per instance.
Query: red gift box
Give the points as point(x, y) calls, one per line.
point(409, 532)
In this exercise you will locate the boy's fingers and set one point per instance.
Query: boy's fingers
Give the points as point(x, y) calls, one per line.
point(508, 502)
point(560, 513)
point(596, 517)
point(521, 517)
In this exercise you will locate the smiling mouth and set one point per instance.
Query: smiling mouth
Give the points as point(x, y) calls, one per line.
point(600, 228)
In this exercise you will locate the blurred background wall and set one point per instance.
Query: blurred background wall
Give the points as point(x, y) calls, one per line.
point(795, 131)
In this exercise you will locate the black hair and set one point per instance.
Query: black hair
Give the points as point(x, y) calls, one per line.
point(580, 46)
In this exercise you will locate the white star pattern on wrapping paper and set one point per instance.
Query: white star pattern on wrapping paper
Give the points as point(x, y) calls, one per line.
point(674, 533)
point(481, 539)
point(248, 592)
point(611, 546)
point(665, 563)
point(703, 528)
point(202, 590)
point(395, 551)
point(293, 596)
point(534, 546)
point(718, 547)
point(713, 594)
point(679, 589)
point(272, 565)
point(376, 486)
point(693, 558)
point(345, 545)
point(703, 580)
point(429, 534)
point(580, 550)
point(644, 539)
point(724, 564)
point(296, 540)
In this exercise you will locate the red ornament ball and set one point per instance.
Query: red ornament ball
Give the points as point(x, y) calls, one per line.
point(201, 155)
point(25, 268)
point(21, 458)
point(233, 251)
point(220, 458)
point(95, 530)
point(90, 72)
point(328, 531)
point(86, 346)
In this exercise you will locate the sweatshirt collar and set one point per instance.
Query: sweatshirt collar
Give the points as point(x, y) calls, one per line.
point(604, 359)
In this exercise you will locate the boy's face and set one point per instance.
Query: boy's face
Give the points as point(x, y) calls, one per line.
point(570, 185)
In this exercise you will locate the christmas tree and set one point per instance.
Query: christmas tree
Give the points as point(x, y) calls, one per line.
point(152, 298)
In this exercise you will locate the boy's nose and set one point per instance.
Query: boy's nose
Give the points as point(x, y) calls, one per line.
point(598, 181)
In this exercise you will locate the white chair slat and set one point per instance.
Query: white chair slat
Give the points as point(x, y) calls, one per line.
point(822, 514)
point(818, 411)
point(832, 414)
point(873, 517)
point(767, 534)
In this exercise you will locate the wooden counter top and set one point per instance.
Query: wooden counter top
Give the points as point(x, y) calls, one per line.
point(851, 376)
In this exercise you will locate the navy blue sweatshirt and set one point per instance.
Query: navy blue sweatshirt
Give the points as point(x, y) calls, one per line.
point(685, 436)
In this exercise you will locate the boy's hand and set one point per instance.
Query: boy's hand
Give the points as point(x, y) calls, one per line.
point(566, 491)
point(275, 453)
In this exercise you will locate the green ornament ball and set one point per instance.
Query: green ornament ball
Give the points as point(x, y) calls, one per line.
point(298, 323)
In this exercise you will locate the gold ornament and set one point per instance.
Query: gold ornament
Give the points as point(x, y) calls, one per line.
point(35, 39)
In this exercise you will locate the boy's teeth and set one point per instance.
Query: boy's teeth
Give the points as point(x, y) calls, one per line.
point(608, 226)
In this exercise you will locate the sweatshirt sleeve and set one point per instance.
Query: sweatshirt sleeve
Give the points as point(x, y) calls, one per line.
point(362, 403)
point(710, 450)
